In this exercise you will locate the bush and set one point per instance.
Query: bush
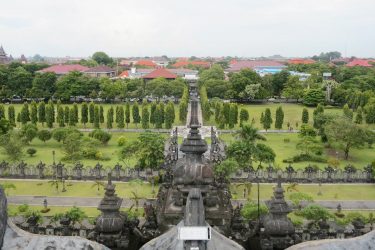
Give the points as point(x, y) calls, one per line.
point(297, 222)
point(44, 135)
point(45, 210)
point(250, 210)
point(286, 140)
point(101, 136)
point(29, 132)
point(305, 157)
point(121, 141)
point(31, 151)
point(23, 208)
point(59, 134)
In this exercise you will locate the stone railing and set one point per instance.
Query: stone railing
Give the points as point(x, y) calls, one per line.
point(309, 174)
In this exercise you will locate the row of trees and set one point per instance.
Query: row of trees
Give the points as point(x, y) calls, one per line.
point(156, 114)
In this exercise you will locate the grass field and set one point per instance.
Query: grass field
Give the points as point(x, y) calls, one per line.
point(44, 151)
point(144, 189)
point(284, 150)
point(292, 114)
point(18, 108)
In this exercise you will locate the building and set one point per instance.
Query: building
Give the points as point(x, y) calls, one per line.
point(23, 59)
point(64, 69)
point(187, 74)
point(262, 67)
point(301, 61)
point(184, 64)
point(160, 73)
point(101, 71)
point(4, 59)
point(146, 63)
point(360, 62)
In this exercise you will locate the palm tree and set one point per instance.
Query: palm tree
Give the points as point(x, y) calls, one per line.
point(97, 184)
point(54, 183)
point(249, 133)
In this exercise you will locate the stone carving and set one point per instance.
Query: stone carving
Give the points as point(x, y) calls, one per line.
point(41, 166)
point(21, 167)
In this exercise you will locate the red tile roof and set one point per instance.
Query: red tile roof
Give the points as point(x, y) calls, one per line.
point(301, 61)
point(359, 62)
point(124, 74)
point(100, 69)
point(160, 73)
point(182, 64)
point(147, 63)
point(254, 64)
point(64, 69)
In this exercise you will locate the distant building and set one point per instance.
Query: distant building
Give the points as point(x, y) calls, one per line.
point(64, 69)
point(301, 61)
point(360, 62)
point(302, 76)
point(4, 59)
point(262, 67)
point(23, 59)
point(146, 63)
point(184, 64)
point(187, 74)
point(157, 73)
point(101, 71)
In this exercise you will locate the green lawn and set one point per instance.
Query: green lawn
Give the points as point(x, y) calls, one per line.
point(284, 150)
point(79, 189)
point(329, 191)
point(292, 114)
point(18, 108)
point(144, 189)
point(44, 151)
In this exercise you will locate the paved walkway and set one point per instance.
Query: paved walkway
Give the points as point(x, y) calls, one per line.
point(94, 202)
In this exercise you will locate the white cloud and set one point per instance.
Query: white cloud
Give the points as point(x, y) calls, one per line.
point(183, 28)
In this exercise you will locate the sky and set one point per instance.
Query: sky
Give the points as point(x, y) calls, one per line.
point(244, 28)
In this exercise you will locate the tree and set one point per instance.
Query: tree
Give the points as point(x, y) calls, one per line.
point(169, 115)
point(278, 81)
point(44, 135)
point(347, 112)
point(267, 121)
point(84, 114)
point(43, 85)
point(31, 151)
point(345, 134)
point(244, 116)
point(28, 132)
point(72, 116)
point(19, 81)
point(42, 113)
point(120, 117)
point(225, 169)
point(370, 112)
point(60, 116)
point(158, 116)
point(34, 113)
point(305, 116)
point(96, 117)
point(279, 118)
point(232, 115)
point(110, 117)
point(5, 126)
point(91, 112)
point(127, 114)
point(25, 114)
point(12, 145)
point(66, 114)
point(264, 153)
point(152, 114)
point(293, 88)
point(50, 114)
point(102, 58)
point(315, 212)
point(313, 97)
point(145, 116)
point(359, 116)
point(249, 133)
point(101, 114)
point(317, 112)
point(12, 115)
point(101, 136)
point(136, 116)
point(72, 147)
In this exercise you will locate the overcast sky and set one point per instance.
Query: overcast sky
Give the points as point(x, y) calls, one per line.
point(185, 28)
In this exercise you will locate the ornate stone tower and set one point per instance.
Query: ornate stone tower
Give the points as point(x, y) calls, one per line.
point(193, 170)
point(278, 228)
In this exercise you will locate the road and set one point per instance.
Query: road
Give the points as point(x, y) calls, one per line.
point(94, 202)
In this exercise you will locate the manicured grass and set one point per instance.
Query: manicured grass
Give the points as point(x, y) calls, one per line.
point(18, 108)
point(89, 211)
point(284, 150)
point(292, 114)
point(79, 189)
point(144, 189)
point(329, 191)
point(111, 150)
point(365, 213)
